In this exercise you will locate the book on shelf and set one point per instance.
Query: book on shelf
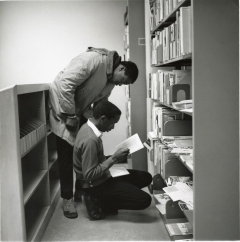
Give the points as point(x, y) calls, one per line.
point(184, 143)
point(185, 30)
point(179, 228)
point(182, 151)
point(165, 156)
point(172, 180)
point(162, 198)
point(185, 206)
point(179, 191)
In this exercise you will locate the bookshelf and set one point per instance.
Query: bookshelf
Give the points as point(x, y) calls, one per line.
point(214, 65)
point(29, 177)
point(135, 48)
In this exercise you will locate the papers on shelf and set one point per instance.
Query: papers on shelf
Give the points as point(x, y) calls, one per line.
point(184, 104)
point(187, 101)
point(118, 171)
point(180, 191)
point(133, 143)
point(187, 110)
point(172, 180)
point(184, 143)
point(162, 198)
point(185, 206)
point(187, 158)
point(182, 151)
point(179, 228)
point(184, 146)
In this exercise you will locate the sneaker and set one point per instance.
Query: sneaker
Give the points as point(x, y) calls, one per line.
point(69, 209)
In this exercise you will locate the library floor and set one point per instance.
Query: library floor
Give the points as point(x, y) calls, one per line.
point(145, 225)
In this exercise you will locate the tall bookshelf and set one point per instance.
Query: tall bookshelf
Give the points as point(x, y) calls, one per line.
point(135, 48)
point(214, 61)
point(29, 169)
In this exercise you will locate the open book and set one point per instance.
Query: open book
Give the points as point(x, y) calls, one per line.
point(133, 143)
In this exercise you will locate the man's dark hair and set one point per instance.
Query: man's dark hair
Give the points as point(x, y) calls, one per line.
point(107, 109)
point(131, 70)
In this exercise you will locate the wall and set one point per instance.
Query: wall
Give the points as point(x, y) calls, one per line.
point(39, 38)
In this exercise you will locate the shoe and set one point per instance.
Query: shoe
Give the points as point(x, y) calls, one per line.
point(69, 209)
point(93, 210)
point(78, 195)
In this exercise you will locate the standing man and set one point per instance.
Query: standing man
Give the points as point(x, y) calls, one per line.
point(88, 79)
point(104, 194)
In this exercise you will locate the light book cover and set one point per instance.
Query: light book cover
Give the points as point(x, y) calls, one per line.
point(118, 171)
point(162, 198)
point(179, 229)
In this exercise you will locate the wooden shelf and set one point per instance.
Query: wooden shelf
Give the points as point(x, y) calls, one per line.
point(171, 106)
point(26, 163)
point(189, 216)
point(34, 219)
point(30, 183)
point(181, 60)
point(175, 220)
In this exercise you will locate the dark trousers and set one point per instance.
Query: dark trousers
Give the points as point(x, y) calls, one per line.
point(123, 192)
point(65, 164)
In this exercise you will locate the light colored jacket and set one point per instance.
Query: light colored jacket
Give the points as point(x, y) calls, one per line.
point(82, 83)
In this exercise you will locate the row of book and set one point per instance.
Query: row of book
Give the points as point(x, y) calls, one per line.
point(32, 135)
point(161, 87)
point(126, 37)
point(174, 40)
point(160, 9)
point(167, 148)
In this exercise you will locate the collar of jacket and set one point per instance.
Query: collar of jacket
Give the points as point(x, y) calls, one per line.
point(113, 59)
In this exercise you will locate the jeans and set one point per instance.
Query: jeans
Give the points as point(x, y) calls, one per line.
point(123, 192)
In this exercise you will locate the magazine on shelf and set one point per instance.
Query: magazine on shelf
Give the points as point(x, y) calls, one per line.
point(179, 228)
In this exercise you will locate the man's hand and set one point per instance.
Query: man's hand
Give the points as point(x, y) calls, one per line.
point(71, 123)
point(120, 155)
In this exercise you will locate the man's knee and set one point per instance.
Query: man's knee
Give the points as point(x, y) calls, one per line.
point(144, 202)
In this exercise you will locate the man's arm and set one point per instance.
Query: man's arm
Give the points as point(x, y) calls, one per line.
point(91, 167)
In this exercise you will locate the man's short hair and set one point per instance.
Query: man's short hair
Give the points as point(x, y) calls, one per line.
point(132, 70)
point(106, 108)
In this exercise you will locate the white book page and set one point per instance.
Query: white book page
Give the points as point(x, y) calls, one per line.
point(118, 171)
point(180, 191)
point(133, 143)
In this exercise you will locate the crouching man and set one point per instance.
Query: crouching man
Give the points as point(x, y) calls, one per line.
point(104, 194)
